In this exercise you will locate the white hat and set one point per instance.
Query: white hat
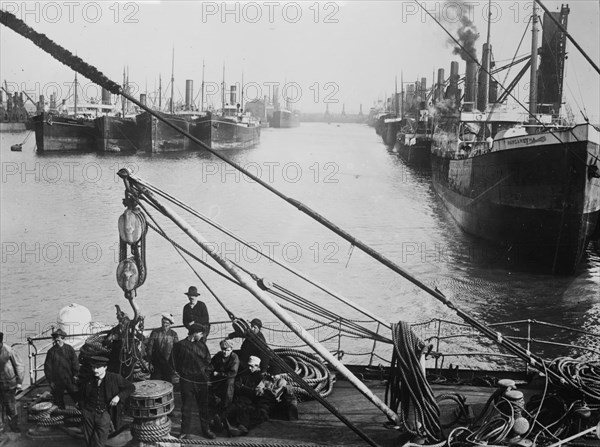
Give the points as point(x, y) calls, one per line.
point(168, 316)
point(253, 361)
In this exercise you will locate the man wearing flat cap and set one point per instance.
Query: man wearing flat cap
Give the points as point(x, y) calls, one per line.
point(61, 368)
point(225, 365)
point(191, 359)
point(160, 345)
point(102, 392)
point(195, 312)
point(250, 347)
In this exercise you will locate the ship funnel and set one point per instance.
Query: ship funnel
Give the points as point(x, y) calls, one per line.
point(484, 78)
point(189, 94)
point(105, 96)
point(232, 95)
point(471, 85)
point(439, 92)
point(143, 99)
point(452, 92)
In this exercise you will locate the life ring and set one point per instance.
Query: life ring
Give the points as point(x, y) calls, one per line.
point(479, 117)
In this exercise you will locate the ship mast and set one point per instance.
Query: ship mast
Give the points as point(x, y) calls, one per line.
point(486, 56)
point(223, 91)
point(202, 95)
point(172, 79)
point(534, 66)
point(159, 92)
point(75, 100)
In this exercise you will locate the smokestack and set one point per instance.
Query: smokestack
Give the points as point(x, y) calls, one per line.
point(493, 91)
point(452, 92)
point(40, 104)
point(52, 102)
point(439, 94)
point(105, 96)
point(143, 99)
point(484, 78)
point(189, 94)
point(232, 94)
point(471, 84)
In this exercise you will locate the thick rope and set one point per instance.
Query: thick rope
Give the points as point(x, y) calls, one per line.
point(408, 390)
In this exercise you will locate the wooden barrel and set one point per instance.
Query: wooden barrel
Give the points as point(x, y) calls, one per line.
point(151, 399)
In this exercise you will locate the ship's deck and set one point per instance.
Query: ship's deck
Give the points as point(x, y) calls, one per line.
point(316, 425)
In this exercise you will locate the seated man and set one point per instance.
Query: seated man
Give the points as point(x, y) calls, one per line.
point(246, 411)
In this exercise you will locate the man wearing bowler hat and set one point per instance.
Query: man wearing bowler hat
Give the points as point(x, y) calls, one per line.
point(61, 368)
point(195, 312)
point(103, 391)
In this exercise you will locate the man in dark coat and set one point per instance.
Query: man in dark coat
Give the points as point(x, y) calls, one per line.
point(250, 348)
point(191, 359)
point(225, 365)
point(196, 312)
point(160, 345)
point(61, 368)
point(247, 409)
point(104, 390)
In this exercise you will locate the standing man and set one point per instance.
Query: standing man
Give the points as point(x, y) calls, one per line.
point(61, 368)
point(160, 345)
point(192, 359)
point(11, 379)
point(103, 391)
point(249, 348)
point(195, 312)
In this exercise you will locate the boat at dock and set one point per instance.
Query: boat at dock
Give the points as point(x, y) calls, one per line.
point(529, 181)
point(64, 133)
point(284, 118)
point(414, 383)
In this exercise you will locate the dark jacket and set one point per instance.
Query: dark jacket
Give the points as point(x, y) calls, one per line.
point(249, 348)
point(198, 314)
point(61, 364)
point(191, 360)
point(114, 385)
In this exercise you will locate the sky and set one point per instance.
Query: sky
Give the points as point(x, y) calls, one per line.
point(320, 54)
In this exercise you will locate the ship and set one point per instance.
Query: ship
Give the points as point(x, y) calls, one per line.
point(549, 407)
point(70, 126)
point(525, 180)
point(228, 128)
point(415, 129)
point(284, 118)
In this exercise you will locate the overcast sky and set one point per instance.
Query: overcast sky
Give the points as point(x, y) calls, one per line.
point(338, 52)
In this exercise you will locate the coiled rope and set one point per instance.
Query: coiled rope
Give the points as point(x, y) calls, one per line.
point(310, 368)
point(583, 376)
point(408, 392)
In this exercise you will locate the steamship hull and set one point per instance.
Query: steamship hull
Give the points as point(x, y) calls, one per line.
point(222, 133)
point(156, 137)
point(59, 133)
point(414, 149)
point(284, 119)
point(538, 194)
point(116, 134)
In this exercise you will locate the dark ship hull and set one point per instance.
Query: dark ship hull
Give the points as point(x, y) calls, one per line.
point(116, 134)
point(414, 149)
point(219, 132)
point(156, 137)
point(284, 119)
point(60, 133)
point(534, 194)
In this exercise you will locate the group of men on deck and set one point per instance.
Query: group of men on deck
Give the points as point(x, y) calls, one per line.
point(228, 388)
point(232, 390)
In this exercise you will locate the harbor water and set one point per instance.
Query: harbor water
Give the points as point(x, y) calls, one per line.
point(60, 238)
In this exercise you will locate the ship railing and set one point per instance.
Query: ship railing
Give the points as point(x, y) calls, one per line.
point(449, 340)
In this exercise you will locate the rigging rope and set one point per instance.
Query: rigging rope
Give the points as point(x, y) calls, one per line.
point(408, 391)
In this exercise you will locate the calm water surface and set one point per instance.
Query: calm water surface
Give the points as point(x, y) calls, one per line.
point(60, 239)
